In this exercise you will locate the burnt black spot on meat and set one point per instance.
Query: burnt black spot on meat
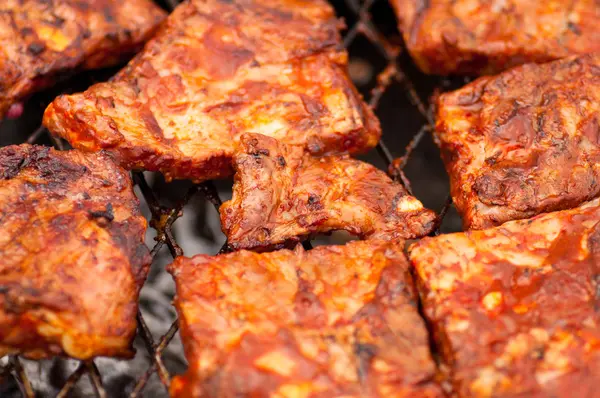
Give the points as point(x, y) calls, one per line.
point(11, 167)
point(396, 199)
point(574, 28)
point(313, 107)
point(56, 21)
point(112, 36)
point(106, 214)
point(36, 48)
point(260, 152)
point(82, 5)
point(108, 16)
point(314, 202)
point(58, 170)
point(135, 86)
point(538, 353)
point(26, 32)
point(281, 161)
point(492, 159)
point(365, 354)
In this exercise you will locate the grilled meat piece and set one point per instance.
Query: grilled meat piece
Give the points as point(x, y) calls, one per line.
point(41, 39)
point(482, 37)
point(218, 69)
point(72, 254)
point(331, 322)
point(281, 195)
point(524, 142)
point(515, 308)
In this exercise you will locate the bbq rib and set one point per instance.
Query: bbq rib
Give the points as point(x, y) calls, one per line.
point(72, 254)
point(515, 308)
point(523, 142)
point(336, 321)
point(216, 70)
point(40, 40)
point(483, 37)
point(282, 195)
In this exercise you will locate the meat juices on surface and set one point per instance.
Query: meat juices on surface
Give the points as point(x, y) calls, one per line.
point(523, 142)
point(41, 40)
point(282, 195)
point(483, 37)
point(72, 254)
point(515, 308)
point(216, 70)
point(331, 322)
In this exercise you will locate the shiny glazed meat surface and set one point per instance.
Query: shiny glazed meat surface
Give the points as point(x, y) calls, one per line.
point(280, 196)
point(488, 36)
point(40, 39)
point(523, 142)
point(215, 70)
point(515, 308)
point(72, 254)
point(336, 321)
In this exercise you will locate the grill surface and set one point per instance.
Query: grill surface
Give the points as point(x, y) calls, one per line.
point(184, 216)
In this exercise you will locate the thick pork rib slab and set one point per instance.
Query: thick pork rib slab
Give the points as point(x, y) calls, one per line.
point(281, 195)
point(40, 39)
point(487, 36)
point(515, 308)
point(523, 142)
point(337, 321)
point(72, 254)
point(215, 70)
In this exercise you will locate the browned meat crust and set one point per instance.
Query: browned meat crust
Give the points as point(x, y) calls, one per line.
point(483, 36)
point(218, 69)
point(524, 142)
point(72, 254)
point(335, 321)
point(515, 308)
point(280, 196)
point(40, 39)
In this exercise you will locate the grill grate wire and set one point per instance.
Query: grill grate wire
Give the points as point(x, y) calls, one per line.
point(163, 218)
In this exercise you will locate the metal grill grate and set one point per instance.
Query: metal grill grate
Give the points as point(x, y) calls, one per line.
point(163, 218)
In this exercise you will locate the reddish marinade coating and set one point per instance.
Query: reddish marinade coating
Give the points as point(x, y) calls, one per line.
point(336, 321)
point(218, 69)
point(516, 309)
point(282, 195)
point(72, 254)
point(41, 39)
point(523, 142)
point(483, 36)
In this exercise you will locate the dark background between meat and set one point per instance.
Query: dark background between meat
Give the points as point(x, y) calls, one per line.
point(198, 231)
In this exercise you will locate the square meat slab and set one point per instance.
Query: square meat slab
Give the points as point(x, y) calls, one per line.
point(523, 142)
point(516, 309)
point(72, 254)
point(478, 37)
point(336, 321)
